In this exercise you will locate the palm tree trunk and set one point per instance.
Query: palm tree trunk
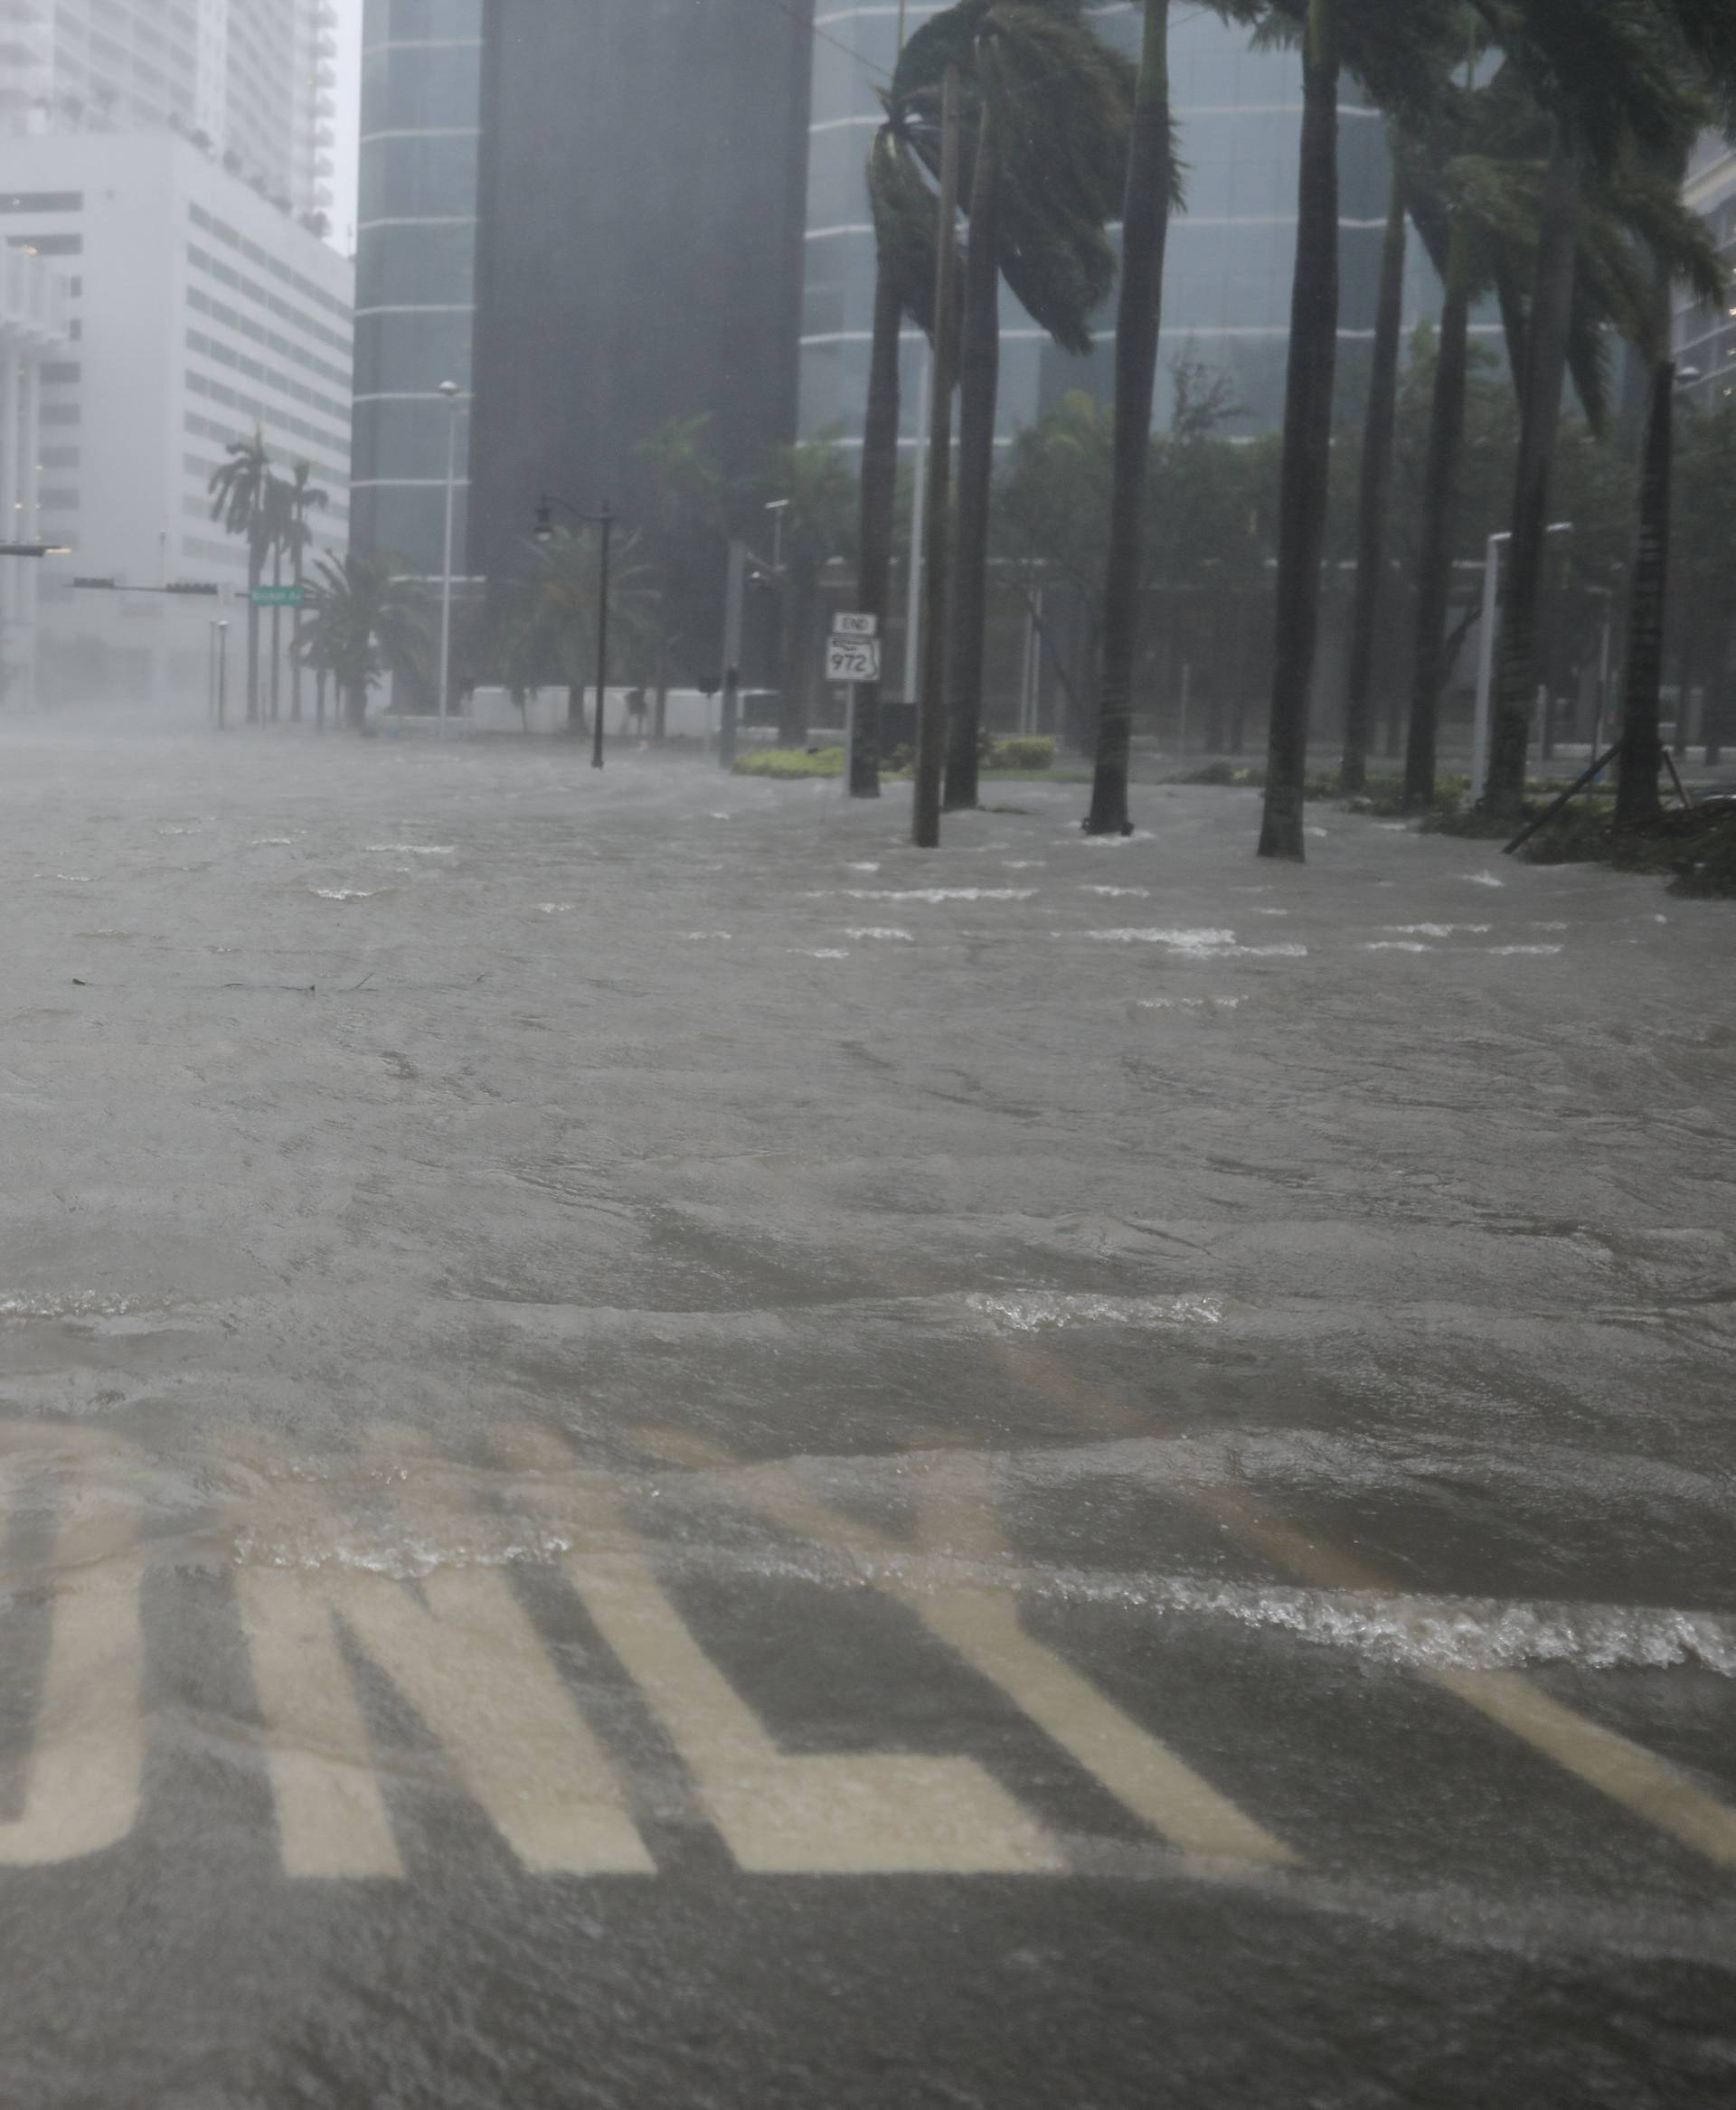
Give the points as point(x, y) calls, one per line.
point(979, 390)
point(1540, 411)
point(1139, 327)
point(879, 509)
point(277, 634)
point(255, 578)
point(930, 718)
point(1376, 481)
point(1642, 743)
point(577, 724)
point(1307, 439)
point(1439, 525)
point(295, 649)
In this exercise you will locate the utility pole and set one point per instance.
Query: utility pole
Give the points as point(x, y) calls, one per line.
point(930, 717)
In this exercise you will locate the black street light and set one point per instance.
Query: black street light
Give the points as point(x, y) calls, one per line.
point(543, 532)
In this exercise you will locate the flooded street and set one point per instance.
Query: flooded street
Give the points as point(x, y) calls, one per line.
point(658, 1450)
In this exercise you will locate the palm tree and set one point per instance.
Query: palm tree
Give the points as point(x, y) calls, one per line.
point(903, 212)
point(1048, 111)
point(1612, 75)
point(820, 504)
point(241, 499)
point(554, 625)
point(1379, 426)
point(361, 623)
point(1396, 52)
point(683, 539)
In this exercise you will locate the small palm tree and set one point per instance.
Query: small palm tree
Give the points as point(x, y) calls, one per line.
point(553, 628)
point(361, 623)
point(241, 499)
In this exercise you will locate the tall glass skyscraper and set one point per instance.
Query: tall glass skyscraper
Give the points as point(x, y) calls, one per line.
point(1227, 288)
point(416, 245)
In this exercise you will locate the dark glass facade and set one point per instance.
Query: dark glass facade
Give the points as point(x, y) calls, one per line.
point(640, 255)
point(416, 241)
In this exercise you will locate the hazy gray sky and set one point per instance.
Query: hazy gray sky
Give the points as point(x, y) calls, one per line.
point(349, 76)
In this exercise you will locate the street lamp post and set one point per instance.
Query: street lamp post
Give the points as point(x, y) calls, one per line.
point(450, 390)
point(222, 675)
point(544, 533)
point(1486, 655)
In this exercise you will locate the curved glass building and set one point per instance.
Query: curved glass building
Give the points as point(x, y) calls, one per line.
point(1227, 286)
point(415, 294)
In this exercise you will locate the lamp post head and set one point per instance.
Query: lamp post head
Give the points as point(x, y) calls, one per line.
point(450, 390)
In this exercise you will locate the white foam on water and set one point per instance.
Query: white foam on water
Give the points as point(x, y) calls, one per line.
point(1398, 945)
point(414, 849)
point(271, 843)
point(1181, 941)
point(823, 952)
point(1549, 926)
point(556, 908)
point(1023, 863)
point(702, 936)
point(1190, 1002)
point(1317, 830)
point(1482, 879)
point(937, 894)
point(1513, 951)
point(345, 893)
point(1129, 894)
point(886, 934)
point(1035, 1311)
point(864, 867)
point(1439, 929)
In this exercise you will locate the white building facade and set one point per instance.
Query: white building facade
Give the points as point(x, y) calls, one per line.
point(196, 313)
point(250, 80)
point(34, 338)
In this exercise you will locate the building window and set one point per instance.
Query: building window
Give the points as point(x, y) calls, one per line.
point(42, 202)
point(62, 371)
point(48, 245)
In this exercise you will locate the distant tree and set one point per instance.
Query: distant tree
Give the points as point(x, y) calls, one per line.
point(820, 513)
point(552, 628)
point(362, 622)
point(682, 535)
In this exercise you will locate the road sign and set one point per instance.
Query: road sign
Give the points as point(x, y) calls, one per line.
point(855, 626)
point(278, 597)
point(853, 659)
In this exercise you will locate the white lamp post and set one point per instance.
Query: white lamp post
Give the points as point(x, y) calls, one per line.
point(1486, 655)
point(450, 390)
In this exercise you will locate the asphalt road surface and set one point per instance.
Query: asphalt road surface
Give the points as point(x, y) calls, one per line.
point(657, 1452)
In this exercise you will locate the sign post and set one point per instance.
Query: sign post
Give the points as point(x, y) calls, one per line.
point(853, 656)
point(278, 597)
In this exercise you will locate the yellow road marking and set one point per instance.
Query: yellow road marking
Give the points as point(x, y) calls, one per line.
point(81, 1790)
point(1650, 1786)
point(983, 1626)
point(844, 1815)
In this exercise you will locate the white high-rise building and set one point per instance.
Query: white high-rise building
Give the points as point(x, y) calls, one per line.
point(249, 80)
point(195, 313)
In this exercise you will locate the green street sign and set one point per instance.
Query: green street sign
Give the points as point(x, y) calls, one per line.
point(278, 597)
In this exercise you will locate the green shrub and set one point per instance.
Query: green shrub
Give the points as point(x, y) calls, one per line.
point(1019, 754)
point(791, 762)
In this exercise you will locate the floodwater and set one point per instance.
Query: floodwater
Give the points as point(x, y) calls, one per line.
point(658, 1450)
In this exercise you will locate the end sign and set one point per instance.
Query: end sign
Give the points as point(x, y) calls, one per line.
point(853, 650)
